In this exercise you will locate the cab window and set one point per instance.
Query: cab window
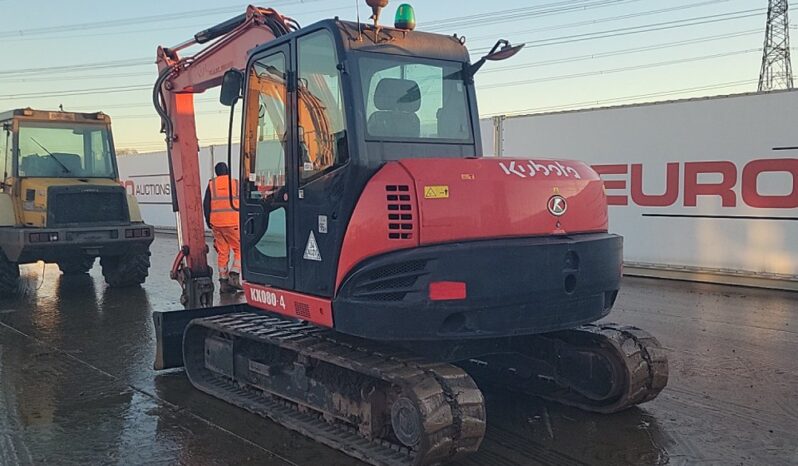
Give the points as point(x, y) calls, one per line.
point(322, 126)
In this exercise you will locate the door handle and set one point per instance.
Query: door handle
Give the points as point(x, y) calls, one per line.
point(249, 226)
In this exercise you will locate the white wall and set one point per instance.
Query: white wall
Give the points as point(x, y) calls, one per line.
point(147, 177)
point(710, 235)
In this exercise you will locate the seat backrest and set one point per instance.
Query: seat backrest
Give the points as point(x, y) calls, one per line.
point(397, 101)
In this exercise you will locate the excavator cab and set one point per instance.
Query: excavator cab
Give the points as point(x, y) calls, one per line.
point(325, 108)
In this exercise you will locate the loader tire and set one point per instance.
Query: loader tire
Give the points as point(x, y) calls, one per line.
point(9, 276)
point(130, 269)
point(76, 266)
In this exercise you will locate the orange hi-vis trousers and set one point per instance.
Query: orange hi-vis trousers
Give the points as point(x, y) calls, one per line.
point(224, 240)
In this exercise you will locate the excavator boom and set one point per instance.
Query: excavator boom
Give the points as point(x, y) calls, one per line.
point(180, 77)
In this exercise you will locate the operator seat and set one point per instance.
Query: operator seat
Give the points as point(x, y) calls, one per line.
point(397, 101)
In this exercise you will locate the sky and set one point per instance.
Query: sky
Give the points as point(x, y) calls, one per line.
point(90, 55)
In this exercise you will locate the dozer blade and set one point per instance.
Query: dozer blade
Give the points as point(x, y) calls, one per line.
point(375, 403)
point(603, 368)
point(169, 329)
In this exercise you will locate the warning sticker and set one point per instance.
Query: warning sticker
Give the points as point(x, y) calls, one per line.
point(312, 249)
point(436, 192)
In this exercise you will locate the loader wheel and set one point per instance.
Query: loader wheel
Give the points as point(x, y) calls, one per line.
point(129, 269)
point(9, 276)
point(76, 266)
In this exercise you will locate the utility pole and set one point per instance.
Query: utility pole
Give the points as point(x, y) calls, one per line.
point(776, 70)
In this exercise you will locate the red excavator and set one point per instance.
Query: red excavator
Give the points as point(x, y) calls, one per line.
point(387, 264)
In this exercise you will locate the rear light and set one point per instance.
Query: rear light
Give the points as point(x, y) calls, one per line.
point(43, 237)
point(137, 233)
point(447, 291)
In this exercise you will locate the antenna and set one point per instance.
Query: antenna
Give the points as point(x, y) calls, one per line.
point(359, 30)
point(776, 70)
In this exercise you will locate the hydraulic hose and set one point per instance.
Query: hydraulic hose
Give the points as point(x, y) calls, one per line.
point(168, 129)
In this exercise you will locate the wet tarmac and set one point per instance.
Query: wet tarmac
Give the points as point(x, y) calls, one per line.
point(77, 387)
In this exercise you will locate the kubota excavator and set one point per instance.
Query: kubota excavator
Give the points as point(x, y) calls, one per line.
point(385, 261)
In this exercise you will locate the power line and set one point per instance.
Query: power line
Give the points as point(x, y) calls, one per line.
point(564, 7)
point(619, 70)
point(516, 14)
point(96, 90)
point(105, 24)
point(687, 22)
point(138, 31)
point(613, 53)
point(608, 19)
point(596, 103)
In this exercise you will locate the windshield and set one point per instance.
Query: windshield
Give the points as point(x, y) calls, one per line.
point(414, 99)
point(68, 150)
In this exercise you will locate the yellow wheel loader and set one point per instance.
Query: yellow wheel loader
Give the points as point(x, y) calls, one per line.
point(61, 201)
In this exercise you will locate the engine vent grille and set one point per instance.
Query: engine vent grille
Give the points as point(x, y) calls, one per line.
point(400, 212)
point(302, 310)
point(391, 282)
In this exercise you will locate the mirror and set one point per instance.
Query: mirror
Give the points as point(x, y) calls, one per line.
point(497, 54)
point(231, 87)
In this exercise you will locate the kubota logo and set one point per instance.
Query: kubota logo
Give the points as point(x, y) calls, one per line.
point(557, 205)
point(530, 169)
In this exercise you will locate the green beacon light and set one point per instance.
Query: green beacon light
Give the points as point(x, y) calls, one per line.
point(405, 17)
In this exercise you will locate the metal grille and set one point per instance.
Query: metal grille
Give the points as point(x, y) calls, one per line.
point(87, 207)
point(400, 212)
point(391, 282)
point(302, 310)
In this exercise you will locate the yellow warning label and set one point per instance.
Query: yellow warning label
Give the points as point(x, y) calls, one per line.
point(436, 192)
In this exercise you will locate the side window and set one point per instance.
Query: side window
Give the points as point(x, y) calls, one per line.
point(322, 126)
point(265, 142)
point(101, 160)
point(5, 151)
point(265, 137)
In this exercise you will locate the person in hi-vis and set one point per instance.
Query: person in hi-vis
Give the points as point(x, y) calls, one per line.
point(222, 219)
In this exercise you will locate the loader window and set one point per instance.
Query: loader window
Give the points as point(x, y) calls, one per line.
point(54, 150)
point(322, 130)
point(414, 99)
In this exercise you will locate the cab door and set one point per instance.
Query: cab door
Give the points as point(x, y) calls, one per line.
point(268, 153)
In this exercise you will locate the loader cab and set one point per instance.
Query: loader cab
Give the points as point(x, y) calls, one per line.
point(62, 145)
point(325, 108)
point(55, 163)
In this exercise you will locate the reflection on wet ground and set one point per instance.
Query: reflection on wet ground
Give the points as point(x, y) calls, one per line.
point(76, 386)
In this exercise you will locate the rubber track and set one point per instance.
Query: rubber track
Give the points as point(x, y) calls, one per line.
point(126, 270)
point(642, 356)
point(454, 410)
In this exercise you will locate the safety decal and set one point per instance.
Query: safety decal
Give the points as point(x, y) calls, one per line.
point(322, 224)
point(436, 192)
point(312, 249)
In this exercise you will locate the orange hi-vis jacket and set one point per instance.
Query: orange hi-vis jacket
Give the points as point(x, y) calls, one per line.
point(222, 215)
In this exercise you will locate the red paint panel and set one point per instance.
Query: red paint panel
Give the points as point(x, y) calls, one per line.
point(501, 197)
point(288, 303)
point(369, 233)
